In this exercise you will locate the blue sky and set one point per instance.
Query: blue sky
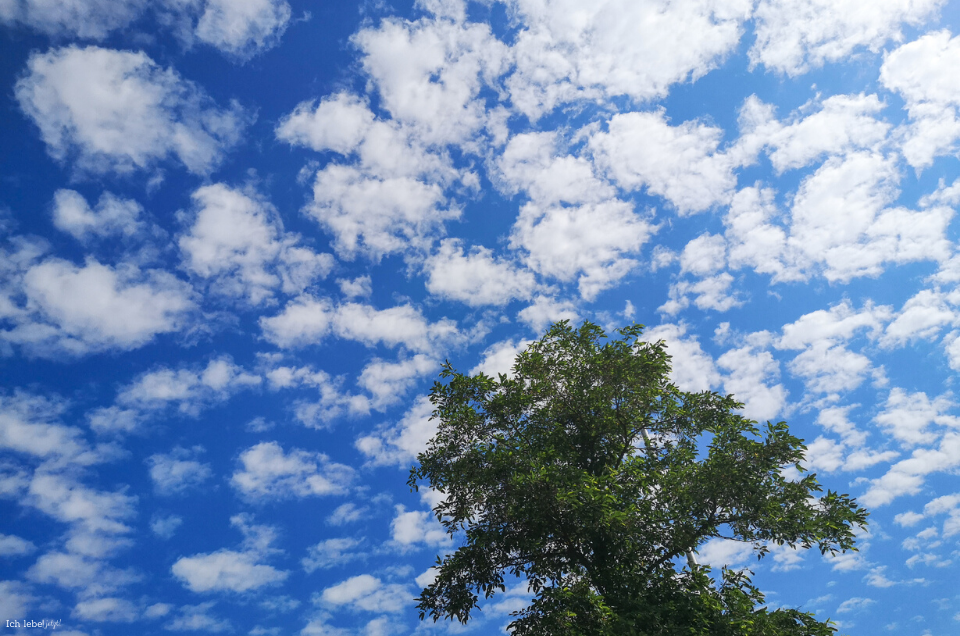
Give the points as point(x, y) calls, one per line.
point(240, 236)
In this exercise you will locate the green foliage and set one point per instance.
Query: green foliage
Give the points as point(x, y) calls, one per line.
point(588, 473)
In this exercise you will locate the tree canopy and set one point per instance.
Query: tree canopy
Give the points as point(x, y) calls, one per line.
point(588, 473)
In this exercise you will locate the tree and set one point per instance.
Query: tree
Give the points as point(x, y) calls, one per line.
point(592, 476)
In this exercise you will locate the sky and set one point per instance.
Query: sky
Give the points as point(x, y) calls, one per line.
point(239, 238)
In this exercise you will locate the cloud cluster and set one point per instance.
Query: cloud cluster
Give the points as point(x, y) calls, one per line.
point(119, 111)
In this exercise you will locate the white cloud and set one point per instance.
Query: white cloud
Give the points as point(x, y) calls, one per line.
point(28, 425)
point(15, 598)
point(840, 225)
point(545, 311)
point(417, 526)
point(367, 593)
point(588, 243)
point(306, 320)
point(922, 316)
point(712, 292)
point(824, 362)
point(750, 376)
point(331, 553)
point(401, 443)
point(244, 28)
point(429, 73)
point(230, 570)
point(90, 577)
point(178, 471)
point(11, 545)
point(532, 163)
point(907, 416)
point(752, 239)
point(843, 123)
point(907, 476)
point(724, 553)
point(332, 402)
point(387, 382)
point(922, 72)
point(191, 389)
point(111, 216)
point(570, 51)
point(76, 310)
point(81, 18)
point(856, 603)
point(107, 609)
point(192, 618)
point(165, 526)
point(392, 198)
point(236, 241)
point(692, 368)
point(359, 287)
point(376, 215)
point(499, 357)
point(794, 36)
point(838, 218)
point(703, 255)
point(119, 111)
point(268, 472)
point(681, 163)
point(346, 513)
point(476, 278)
point(71, 502)
point(225, 570)
point(340, 123)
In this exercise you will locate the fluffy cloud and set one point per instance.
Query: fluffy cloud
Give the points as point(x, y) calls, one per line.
point(366, 593)
point(476, 278)
point(795, 35)
point(824, 362)
point(308, 320)
point(112, 216)
point(681, 163)
point(58, 307)
point(387, 382)
point(692, 368)
point(110, 110)
point(267, 471)
point(82, 18)
point(907, 476)
point(429, 73)
point(193, 618)
point(843, 123)
point(11, 545)
point(401, 443)
point(330, 553)
point(751, 372)
point(189, 389)
point(178, 471)
point(392, 199)
point(417, 526)
point(29, 425)
point(242, 29)
point(907, 416)
point(570, 51)
point(107, 609)
point(237, 242)
point(499, 357)
point(535, 164)
point(231, 570)
point(378, 215)
point(545, 311)
point(840, 224)
point(587, 243)
point(922, 72)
